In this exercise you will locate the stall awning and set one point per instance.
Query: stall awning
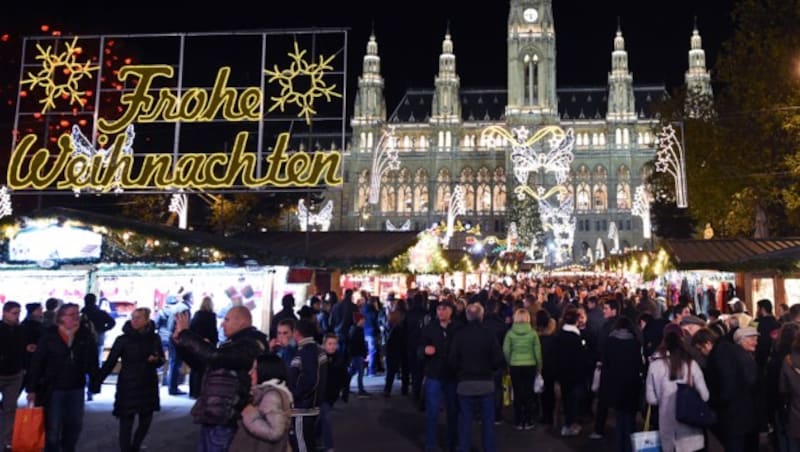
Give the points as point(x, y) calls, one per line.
point(734, 254)
point(342, 249)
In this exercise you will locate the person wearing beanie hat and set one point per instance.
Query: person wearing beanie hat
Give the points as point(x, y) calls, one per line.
point(747, 338)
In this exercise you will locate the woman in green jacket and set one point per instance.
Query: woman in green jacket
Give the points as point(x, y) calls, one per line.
point(524, 355)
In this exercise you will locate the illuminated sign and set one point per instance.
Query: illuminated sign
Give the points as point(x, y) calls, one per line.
point(54, 243)
point(293, 102)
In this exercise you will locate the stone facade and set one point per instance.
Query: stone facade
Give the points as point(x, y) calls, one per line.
point(438, 134)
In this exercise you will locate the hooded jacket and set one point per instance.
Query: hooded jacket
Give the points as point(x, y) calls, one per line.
point(264, 426)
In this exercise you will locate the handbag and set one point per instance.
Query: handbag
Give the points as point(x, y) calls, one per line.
point(646, 441)
point(538, 384)
point(690, 408)
point(507, 396)
point(28, 430)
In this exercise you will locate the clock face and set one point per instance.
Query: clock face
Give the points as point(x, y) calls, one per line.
point(530, 15)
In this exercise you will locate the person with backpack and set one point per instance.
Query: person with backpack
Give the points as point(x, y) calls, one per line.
point(166, 327)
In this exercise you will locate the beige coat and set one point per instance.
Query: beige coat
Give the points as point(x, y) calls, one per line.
point(660, 391)
point(264, 426)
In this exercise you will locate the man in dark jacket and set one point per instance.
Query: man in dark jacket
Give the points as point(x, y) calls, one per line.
point(307, 381)
point(766, 326)
point(731, 376)
point(475, 355)
point(440, 381)
point(64, 357)
point(611, 314)
point(494, 322)
point(12, 363)
point(341, 319)
point(101, 322)
point(226, 386)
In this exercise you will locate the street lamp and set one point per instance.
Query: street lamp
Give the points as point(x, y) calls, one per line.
point(670, 159)
point(385, 157)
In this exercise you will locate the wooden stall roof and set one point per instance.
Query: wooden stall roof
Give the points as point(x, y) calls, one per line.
point(735, 253)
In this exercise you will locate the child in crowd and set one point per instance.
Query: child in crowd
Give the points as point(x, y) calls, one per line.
point(357, 348)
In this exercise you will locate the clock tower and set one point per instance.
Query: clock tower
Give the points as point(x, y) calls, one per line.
point(531, 63)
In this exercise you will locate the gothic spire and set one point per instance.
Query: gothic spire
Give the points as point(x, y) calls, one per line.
point(446, 102)
point(620, 82)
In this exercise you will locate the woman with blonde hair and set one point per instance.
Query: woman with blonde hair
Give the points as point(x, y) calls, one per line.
point(523, 354)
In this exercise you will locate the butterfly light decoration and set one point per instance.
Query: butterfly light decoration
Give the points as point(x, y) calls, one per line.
point(321, 219)
point(82, 146)
point(525, 159)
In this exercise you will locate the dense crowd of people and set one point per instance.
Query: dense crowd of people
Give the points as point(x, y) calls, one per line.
point(560, 352)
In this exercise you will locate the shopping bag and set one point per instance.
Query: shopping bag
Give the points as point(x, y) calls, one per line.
point(28, 430)
point(646, 441)
point(507, 390)
point(538, 384)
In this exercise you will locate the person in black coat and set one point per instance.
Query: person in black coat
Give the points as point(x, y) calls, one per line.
point(286, 313)
point(573, 363)
point(621, 379)
point(204, 323)
point(226, 385)
point(139, 347)
point(731, 376)
point(396, 358)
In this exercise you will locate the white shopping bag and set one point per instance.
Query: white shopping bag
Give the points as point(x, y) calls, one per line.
point(646, 441)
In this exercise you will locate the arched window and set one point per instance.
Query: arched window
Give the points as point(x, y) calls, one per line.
point(467, 182)
point(623, 188)
point(369, 140)
point(421, 191)
point(600, 198)
point(618, 136)
point(442, 190)
point(626, 137)
point(531, 79)
point(404, 199)
point(582, 198)
point(363, 190)
point(363, 142)
point(448, 140)
point(599, 191)
point(499, 194)
point(388, 199)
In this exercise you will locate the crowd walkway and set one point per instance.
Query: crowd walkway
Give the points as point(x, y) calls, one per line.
point(365, 424)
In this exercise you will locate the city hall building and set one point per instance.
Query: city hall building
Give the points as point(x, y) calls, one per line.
point(439, 137)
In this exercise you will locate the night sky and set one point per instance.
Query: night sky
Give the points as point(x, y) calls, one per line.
point(409, 34)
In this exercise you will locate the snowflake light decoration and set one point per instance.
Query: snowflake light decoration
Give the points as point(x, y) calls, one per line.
point(299, 67)
point(49, 77)
point(670, 160)
point(322, 219)
point(385, 158)
point(5, 203)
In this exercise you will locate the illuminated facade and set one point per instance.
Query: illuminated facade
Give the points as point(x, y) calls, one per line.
point(438, 137)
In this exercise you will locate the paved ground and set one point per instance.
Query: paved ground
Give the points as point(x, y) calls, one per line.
point(373, 424)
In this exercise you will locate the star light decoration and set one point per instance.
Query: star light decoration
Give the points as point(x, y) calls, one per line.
point(641, 208)
point(6, 209)
point(321, 219)
point(670, 159)
point(385, 157)
point(287, 78)
point(60, 75)
point(178, 204)
point(455, 208)
point(84, 148)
